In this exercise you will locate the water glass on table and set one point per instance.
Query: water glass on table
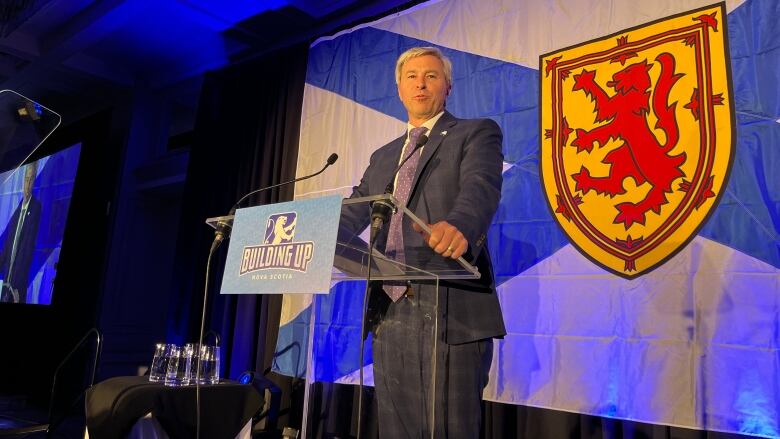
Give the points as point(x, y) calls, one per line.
point(177, 367)
point(192, 356)
point(209, 365)
point(162, 353)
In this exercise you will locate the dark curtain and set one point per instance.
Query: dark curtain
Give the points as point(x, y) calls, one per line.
point(500, 421)
point(510, 421)
point(246, 137)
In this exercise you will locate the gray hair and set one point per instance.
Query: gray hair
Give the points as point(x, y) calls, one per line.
point(414, 52)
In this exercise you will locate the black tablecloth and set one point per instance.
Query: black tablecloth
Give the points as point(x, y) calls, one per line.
point(114, 405)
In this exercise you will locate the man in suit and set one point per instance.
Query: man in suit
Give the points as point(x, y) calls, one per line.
point(20, 237)
point(453, 182)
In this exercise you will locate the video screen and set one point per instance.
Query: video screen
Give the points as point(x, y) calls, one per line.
point(34, 202)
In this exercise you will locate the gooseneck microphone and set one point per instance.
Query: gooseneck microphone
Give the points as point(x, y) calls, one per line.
point(222, 229)
point(382, 209)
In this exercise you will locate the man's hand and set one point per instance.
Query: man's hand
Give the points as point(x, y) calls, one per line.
point(445, 239)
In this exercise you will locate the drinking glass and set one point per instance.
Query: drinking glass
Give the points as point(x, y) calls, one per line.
point(192, 356)
point(162, 353)
point(209, 365)
point(177, 367)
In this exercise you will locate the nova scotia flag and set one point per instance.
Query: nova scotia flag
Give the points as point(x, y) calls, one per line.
point(694, 343)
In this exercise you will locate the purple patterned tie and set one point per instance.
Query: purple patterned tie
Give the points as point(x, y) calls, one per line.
point(403, 185)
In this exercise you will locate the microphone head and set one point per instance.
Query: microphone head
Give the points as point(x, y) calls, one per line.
point(422, 140)
point(332, 159)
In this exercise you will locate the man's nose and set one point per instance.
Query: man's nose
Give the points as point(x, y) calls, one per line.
point(421, 83)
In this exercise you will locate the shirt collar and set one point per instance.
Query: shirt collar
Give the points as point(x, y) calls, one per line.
point(428, 124)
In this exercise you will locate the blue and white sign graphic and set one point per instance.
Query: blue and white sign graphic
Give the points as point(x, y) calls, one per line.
point(283, 248)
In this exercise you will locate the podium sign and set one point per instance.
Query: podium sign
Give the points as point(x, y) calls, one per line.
point(275, 246)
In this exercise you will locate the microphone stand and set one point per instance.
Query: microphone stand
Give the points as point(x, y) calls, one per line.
point(222, 231)
point(380, 214)
point(223, 227)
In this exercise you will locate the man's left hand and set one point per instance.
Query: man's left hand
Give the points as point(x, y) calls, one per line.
point(445, 239)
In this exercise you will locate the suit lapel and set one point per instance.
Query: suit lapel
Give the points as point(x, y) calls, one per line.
point(385, 175)
point(435, 137)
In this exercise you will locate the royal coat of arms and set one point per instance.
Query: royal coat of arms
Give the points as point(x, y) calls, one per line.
point(637, 138)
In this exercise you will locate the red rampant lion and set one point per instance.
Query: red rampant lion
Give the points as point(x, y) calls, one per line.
point(641, 156)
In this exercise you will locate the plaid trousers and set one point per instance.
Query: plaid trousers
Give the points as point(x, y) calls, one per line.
point(403, 362)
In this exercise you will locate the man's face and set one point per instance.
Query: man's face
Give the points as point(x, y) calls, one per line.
point(422, 88)
point(29, 179)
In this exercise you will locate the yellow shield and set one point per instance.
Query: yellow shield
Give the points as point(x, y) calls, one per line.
point(637, 138)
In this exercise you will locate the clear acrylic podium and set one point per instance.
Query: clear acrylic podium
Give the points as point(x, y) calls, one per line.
point(351, 263)
point(351, 259)
point(420, 263)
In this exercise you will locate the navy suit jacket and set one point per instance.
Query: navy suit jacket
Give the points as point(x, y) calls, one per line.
point(458, 180)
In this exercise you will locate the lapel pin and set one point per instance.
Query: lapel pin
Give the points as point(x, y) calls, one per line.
point(444, 133)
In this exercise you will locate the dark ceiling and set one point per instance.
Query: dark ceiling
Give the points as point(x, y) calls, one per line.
point(81, 54)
